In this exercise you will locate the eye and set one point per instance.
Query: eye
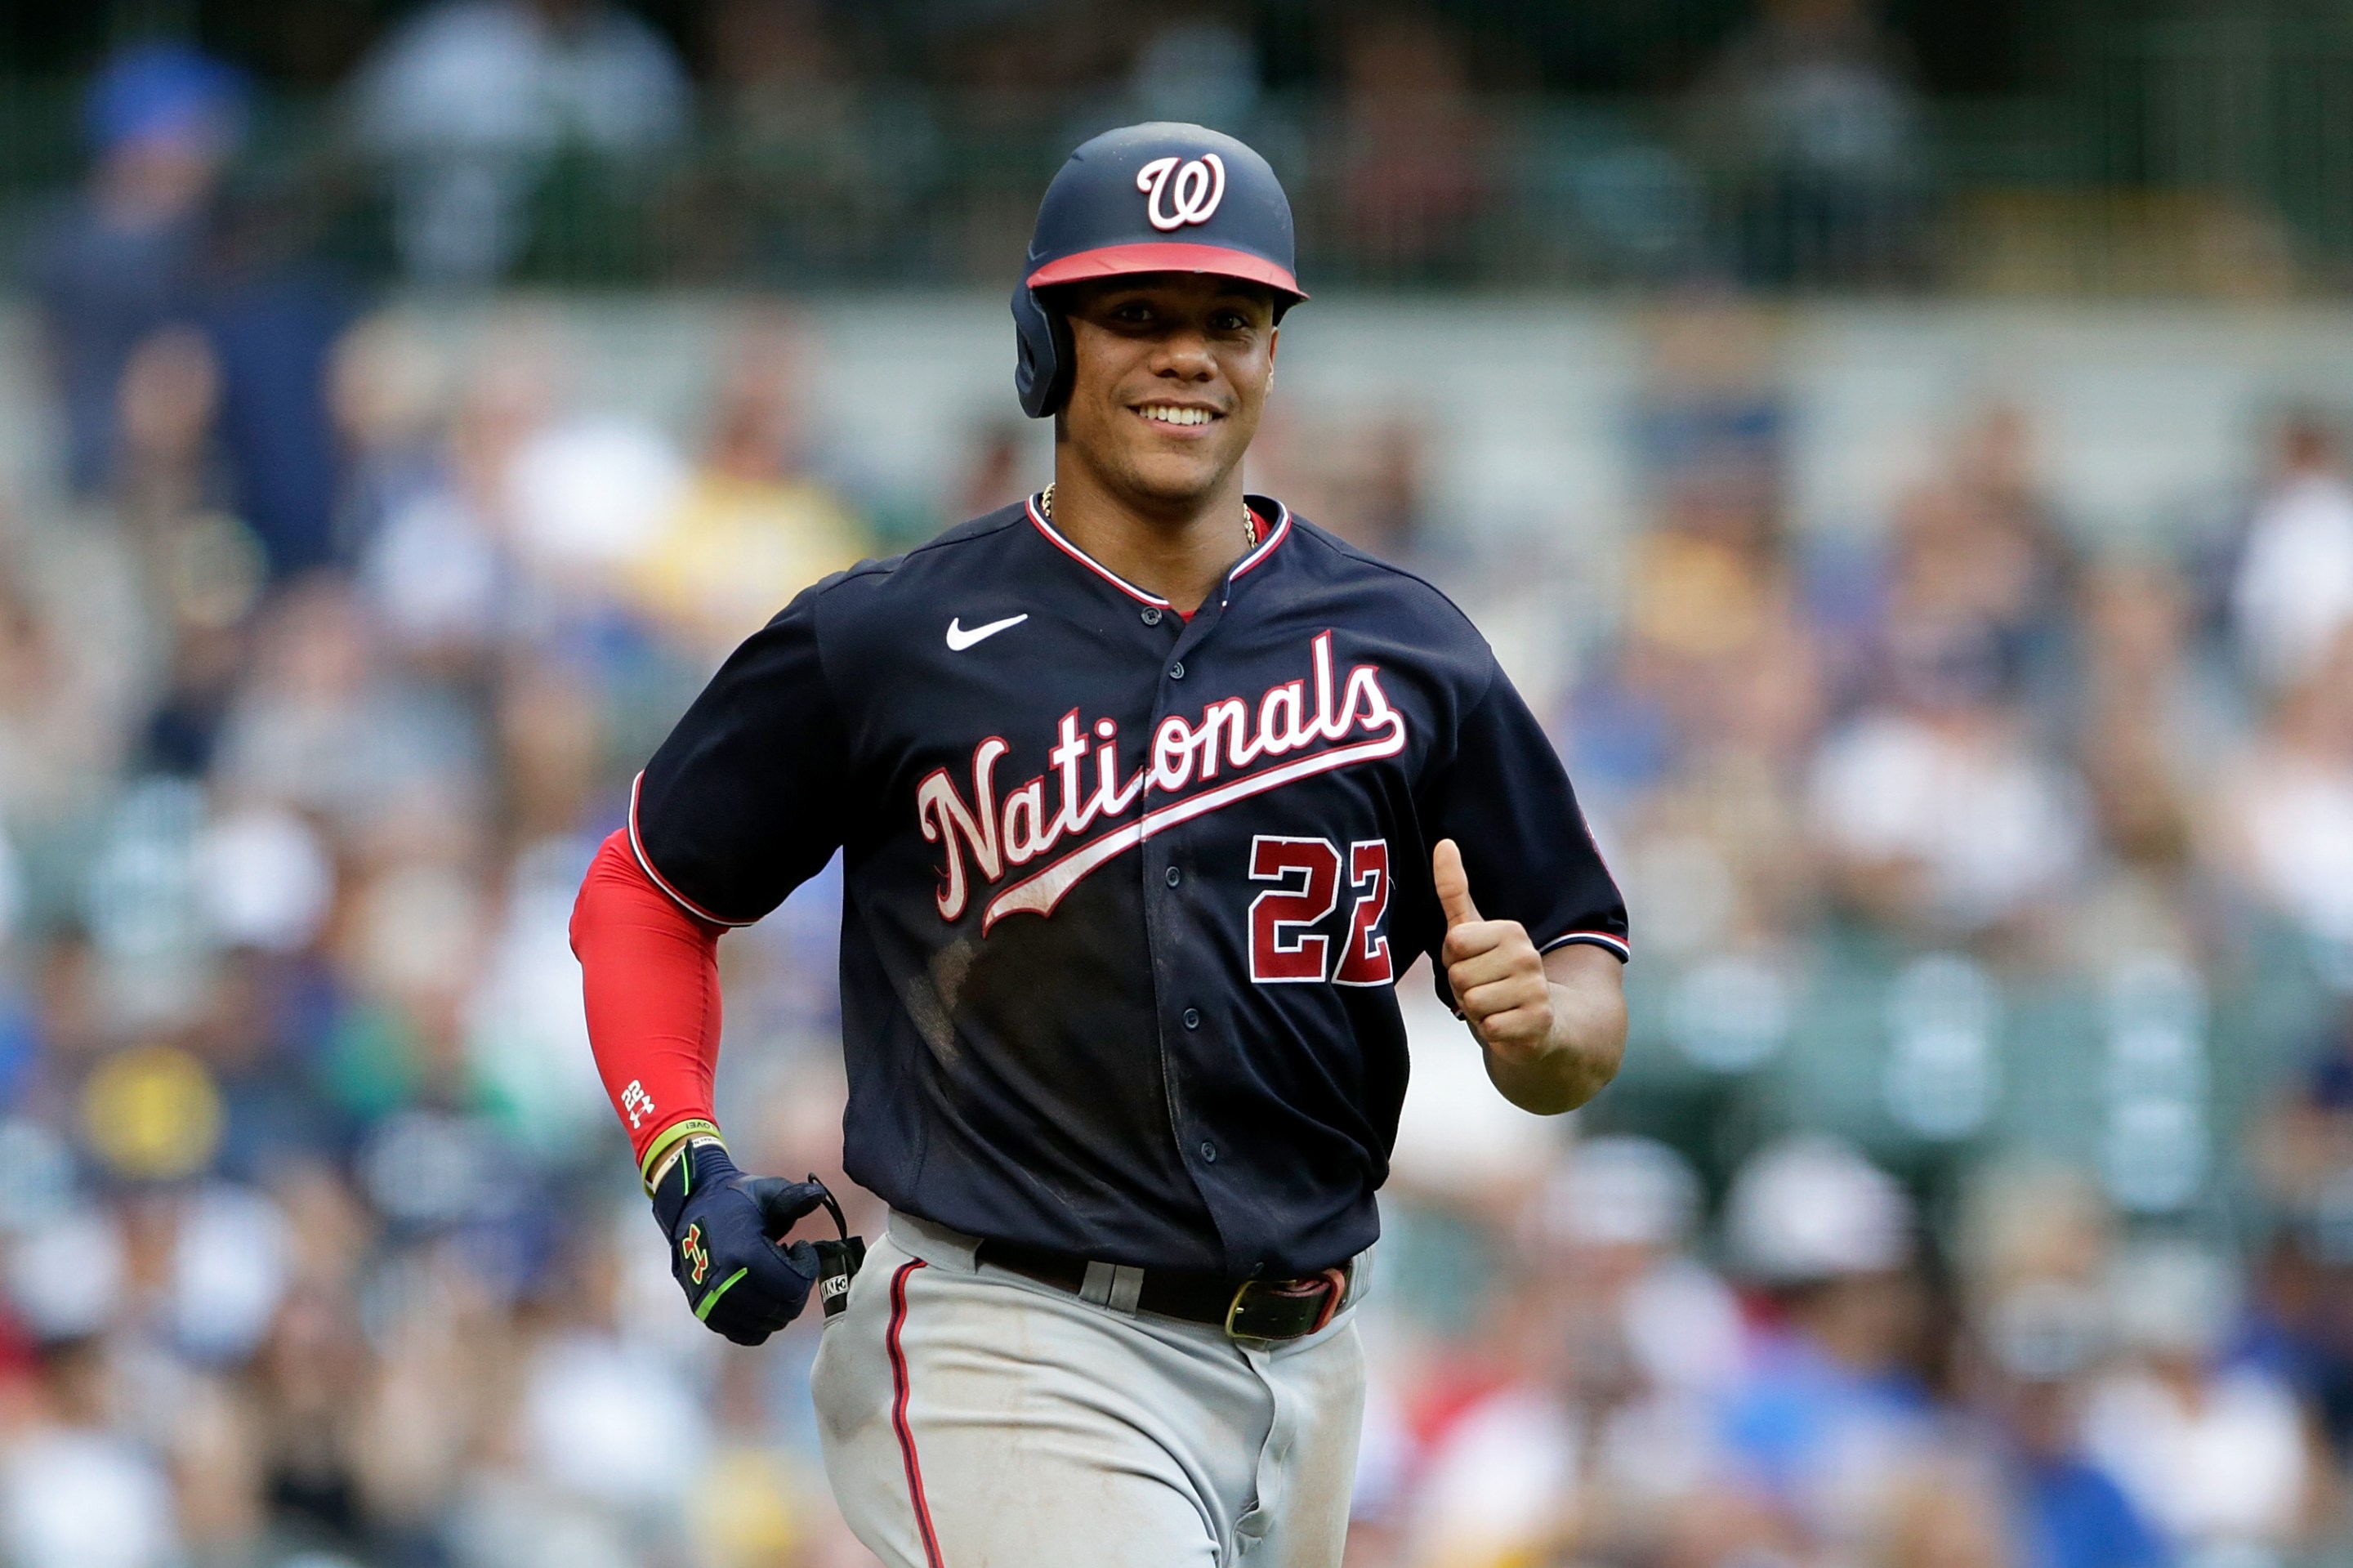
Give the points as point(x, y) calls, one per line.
point(1134, 312)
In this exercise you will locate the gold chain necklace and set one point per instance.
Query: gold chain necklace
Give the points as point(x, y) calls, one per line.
point(1249, 518)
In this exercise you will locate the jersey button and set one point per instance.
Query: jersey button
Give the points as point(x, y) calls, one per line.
point(1177, 671)
point(1208, 1152)
point(1174, 876)
point(1151, 615)
point(1192, 1018)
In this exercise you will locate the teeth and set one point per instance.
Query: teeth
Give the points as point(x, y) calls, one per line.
point(1168, 414)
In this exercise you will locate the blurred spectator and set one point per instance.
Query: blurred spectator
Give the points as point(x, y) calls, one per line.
point(2032, 1250)
point(1203, 70)
point(812, 168)
point(388, 391)
point(608, 1440)
point(1412, 150)
point(1940, 810)
point(436, 547)
point(2149, 729)
point(468, 102)
point(1936, 811)
point(1367, 473)
point(123, 259)
point(1975, 552)
point(274, 316)
point(2026, 1222)
point(1711, 697)
point(1812, 114)
point(753, 527)
point(1613, 1340)
point(67, 698)
point(2040, 1338)
point(150, 246)
point(2282, 824)
point(2300, 1321)
point(586, 497)
point(2305, 1141)
point(2217, 1454)
point(999, 470)
point(205, 570)
point(2293, 594)
point(312, 1376)
point(1831, 1416)
point(74, 1492)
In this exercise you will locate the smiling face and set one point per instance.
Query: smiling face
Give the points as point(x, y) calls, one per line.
point(1170, 375)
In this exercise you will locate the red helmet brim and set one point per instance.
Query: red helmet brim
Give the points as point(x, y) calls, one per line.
point(1165, 256)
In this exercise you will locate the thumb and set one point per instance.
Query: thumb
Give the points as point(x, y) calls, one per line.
point(781, 1203)
point(1453, 885)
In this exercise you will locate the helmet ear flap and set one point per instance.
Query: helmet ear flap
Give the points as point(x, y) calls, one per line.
point(1041, 367)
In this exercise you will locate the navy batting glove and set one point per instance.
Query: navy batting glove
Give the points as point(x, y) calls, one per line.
point(719, 1222)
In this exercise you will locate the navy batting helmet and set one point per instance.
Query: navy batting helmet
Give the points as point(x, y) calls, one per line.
point(1162, 197)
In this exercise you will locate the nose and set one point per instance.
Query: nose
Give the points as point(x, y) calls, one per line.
point(1185, 355)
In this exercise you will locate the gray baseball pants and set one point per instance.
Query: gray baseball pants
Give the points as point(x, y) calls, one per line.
point(974, 1418)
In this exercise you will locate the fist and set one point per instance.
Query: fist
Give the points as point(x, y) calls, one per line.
point(723, 1227)
point(1495, 970)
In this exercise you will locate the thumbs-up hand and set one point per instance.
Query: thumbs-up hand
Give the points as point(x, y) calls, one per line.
point(1495, 970)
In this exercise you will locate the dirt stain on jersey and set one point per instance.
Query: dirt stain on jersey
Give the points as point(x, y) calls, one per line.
point(1057, 1030)
point(930, 999)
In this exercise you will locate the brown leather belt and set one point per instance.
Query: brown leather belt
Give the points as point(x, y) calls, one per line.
point(1255, 1310)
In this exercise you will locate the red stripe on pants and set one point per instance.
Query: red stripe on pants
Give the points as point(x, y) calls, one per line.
point(899, 1411)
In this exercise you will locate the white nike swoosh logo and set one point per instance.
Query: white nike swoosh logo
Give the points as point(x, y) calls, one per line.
point(959, 638)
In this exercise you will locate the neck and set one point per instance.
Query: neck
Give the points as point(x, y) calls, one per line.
point(1177, 550)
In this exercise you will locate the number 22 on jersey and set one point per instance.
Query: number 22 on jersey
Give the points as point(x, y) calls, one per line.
point(1285, 946)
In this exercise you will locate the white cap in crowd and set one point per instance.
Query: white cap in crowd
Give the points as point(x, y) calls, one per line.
point(1617, 1190)
point(1810, 1208)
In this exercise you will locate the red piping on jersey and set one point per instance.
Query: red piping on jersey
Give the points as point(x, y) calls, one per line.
point(638, 850)
point(1617, 945)
point(1265, 548)
point(1088, 562)
point(898, 1412)
point(1281, 528)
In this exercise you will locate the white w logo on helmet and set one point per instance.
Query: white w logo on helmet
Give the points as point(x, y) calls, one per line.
point(1193, 194)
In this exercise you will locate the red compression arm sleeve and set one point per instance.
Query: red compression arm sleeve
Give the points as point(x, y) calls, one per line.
point(651, 973)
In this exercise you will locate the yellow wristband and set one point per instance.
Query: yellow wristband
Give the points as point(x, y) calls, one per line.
point(670, 1139)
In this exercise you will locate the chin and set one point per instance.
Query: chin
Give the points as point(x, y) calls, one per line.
point(1171, 479)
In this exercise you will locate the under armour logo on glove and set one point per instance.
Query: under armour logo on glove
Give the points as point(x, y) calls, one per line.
point(722, 1227)
point(1193, 194)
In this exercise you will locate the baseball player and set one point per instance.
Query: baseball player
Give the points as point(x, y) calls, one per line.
point(1146, 791)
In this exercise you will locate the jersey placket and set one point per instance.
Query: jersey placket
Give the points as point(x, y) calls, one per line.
point(1184, 993)
point(1180, 989)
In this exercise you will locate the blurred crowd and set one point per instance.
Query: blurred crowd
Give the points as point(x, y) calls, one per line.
point(790, 142)
point(2045, 1260)
point(329, 644)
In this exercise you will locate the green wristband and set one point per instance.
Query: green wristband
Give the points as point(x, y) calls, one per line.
point(668, 1140)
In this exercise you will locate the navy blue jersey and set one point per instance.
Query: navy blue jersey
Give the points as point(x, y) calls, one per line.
point(1125, 892)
